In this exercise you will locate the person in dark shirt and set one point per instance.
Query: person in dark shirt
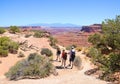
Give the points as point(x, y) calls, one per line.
point(58, 55)
point(72, 57)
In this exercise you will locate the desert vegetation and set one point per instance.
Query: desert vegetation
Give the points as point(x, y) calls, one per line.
point(28, 35)
point(46, 51)
point(2, 30)
point(7, 45)
point(53, 41)
point(21, 54)
point(105, 52)
point(38, 34)
point(14, 29)
point(34, 66)
point(78, 62)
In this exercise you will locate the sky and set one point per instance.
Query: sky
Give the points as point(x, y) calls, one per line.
point(80, 12)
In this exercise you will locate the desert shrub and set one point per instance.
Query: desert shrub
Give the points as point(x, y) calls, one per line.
point(53, 41)
point(3, 53)
point(4, 40)
point(13, 47)
point(55, 47)
point(38, 34)
point(35, 66)
point(78, 49)
point(78, 62)
point(21, 54)
point(46, 51)
point(111, 65)
point(28, 35)
point(96, 56)
point(2, 30)
point(68, 48)
point(14, 29)
point(7, 45)
point(92, 52)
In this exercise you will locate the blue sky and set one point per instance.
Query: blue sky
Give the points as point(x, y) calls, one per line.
point(80, 12)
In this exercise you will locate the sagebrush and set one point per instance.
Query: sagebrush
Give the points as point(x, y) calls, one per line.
point(35, 66)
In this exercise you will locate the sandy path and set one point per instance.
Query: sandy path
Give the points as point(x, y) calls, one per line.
point(66, 76)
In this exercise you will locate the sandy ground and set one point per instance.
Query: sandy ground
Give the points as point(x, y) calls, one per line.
point(66, 76)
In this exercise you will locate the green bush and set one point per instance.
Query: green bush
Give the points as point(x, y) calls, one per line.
point(112, 63)
point(13, 47)
point(46, 51)
point(106, 49)
point(78, 62)
point(14, 29)
point(7, 45)
point(38, 34)
point(2, 30)
point(35, 66)
point(3, 53)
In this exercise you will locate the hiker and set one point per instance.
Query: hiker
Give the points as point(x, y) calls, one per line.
point(64, 58)
point(58, 54)
point(72, 57)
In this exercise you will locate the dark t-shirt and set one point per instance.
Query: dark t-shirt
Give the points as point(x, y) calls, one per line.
point(58, 52)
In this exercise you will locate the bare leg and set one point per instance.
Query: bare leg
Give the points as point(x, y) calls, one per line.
point(69, 63)
point(59, 59)
point(72, 65)
point(62, 62)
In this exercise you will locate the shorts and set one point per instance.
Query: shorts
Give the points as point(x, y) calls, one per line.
point(72, 58)
point(58, 54)
point(65, 58)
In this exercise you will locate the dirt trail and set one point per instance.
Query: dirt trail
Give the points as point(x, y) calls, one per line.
point(66, 76)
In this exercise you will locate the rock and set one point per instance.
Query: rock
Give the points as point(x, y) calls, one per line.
point(92, 28)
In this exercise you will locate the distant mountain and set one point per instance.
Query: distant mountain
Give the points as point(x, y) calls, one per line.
point(55, 25)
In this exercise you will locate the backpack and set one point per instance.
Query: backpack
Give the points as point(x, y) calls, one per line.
point(72, 53)
point(58, 52)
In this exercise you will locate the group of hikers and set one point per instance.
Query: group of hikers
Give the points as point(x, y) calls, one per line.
point(62, 56)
